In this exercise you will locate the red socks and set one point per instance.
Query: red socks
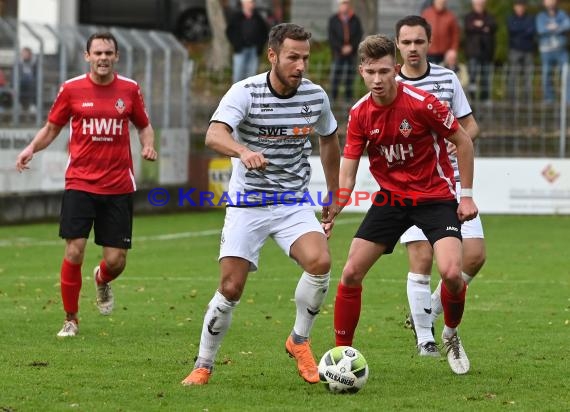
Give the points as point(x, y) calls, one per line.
point(104, 276)
point(452, 306)
point(70, 278)
point(346, 313)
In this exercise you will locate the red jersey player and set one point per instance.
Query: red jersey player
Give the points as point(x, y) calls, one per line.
point(99, 179)
point(404, 130)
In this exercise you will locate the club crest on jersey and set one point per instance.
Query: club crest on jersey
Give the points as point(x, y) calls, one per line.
point(120, 106)
point(306, 112)
point(405, 128)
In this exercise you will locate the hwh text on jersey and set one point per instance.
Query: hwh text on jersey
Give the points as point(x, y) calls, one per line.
point(397, 152)
point(98, 126)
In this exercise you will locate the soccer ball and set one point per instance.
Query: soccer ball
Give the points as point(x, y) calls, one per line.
point(343, 370)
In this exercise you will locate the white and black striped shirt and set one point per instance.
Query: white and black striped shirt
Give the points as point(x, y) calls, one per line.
point(277, 126)
point(443, 84)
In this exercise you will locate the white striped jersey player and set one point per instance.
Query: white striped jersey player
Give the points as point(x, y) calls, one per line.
point(443, 84)
point(277, 126)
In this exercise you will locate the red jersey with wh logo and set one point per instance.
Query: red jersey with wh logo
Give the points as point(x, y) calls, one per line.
point(406, 144)
point(99, 145)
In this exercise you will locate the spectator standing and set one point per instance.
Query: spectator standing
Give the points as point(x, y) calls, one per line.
point(445, 30)
point(552, 25)
point(27, 67)
point(480, 28)
point(522, 31)
point(344, 33)
point(247, 33)
point(5, 93)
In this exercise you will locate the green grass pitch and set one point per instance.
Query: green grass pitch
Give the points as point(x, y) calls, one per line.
point(515, 329)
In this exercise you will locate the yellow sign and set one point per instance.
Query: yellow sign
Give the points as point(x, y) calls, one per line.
point(219, 172)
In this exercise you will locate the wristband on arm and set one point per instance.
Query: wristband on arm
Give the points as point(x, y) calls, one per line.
point(466, 192)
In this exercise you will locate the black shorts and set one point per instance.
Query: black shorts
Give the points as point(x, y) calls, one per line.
point(385, 223)
point(111, 216)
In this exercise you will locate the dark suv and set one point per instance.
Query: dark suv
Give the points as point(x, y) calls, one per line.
point(187, 19)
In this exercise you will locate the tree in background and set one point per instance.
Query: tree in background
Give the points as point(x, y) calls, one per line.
point(218, 57)
point(367, 11)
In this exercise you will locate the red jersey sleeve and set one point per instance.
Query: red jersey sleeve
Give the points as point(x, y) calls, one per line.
point(60, 111)
point(356, 138)
point(139, 116)
point(439, 117)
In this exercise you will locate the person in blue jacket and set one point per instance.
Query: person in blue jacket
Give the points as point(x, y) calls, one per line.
point(552, 25)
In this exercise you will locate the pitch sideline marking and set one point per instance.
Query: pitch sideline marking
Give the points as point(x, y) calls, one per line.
point(30, 242)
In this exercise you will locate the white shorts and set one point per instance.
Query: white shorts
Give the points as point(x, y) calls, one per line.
point(472, 229)
point(247, 228)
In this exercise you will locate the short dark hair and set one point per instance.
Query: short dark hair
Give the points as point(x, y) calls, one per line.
point(102, 36)
point(413, 20)
point(283, 31)
point(375, 47)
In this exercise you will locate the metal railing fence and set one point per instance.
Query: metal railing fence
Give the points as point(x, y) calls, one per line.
point(515, 121)
point(156, 60)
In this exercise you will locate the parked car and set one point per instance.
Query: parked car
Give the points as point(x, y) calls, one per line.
point(187, 19)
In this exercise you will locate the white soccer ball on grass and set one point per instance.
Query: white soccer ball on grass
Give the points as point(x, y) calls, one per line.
point(343, 369)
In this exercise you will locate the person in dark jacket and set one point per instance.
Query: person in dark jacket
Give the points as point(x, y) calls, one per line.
point(344, 34)
point(247, 32)
point(480, 28)
point(522, 32)
point(27, 67)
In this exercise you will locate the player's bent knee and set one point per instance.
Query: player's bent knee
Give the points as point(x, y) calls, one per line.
point(319, 264)
point(318, 267)
point(351, 276)
point(75, 251)
point(116, 266)
point(232, 291)
point(451, 273)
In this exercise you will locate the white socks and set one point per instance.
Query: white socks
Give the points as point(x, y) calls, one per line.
point(309, 296)
point(419, 299)
point(216, 323)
